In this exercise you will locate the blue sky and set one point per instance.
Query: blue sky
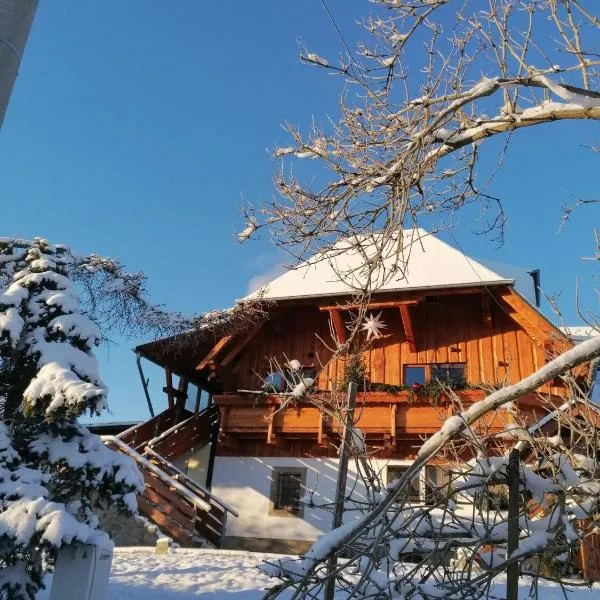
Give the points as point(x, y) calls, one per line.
point(136, 129)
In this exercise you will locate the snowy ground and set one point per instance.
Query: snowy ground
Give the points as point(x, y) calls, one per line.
point(138, 574)
point(220, 574)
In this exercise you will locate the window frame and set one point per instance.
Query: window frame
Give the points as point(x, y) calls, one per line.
point(275, 474)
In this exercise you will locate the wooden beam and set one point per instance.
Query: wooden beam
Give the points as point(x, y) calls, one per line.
point(239, 345)
point(175, 393)
point(214, 351)
point(322, 437)
point(391, 300)
point(382, 304)
point(377, 398)
point(182, 394)
point(537, 327)
point(407, 323)
point(271, 437)
point(169, 387)
point(183, 385)
point(393, 413)
point(335, 314)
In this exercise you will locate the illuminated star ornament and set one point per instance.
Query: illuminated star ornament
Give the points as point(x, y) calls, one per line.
point(373, 326)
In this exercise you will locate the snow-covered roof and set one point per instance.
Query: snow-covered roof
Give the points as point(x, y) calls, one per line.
point(430, 264)
point(579, 333)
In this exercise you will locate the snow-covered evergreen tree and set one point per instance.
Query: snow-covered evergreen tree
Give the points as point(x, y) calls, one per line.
point(53, 471)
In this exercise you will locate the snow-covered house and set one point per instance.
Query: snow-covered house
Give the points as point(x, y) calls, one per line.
point(448, 317)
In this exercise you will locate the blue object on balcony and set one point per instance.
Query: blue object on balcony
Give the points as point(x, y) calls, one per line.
point(274, 382)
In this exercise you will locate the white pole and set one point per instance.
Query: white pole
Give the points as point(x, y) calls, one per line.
point(16, 17)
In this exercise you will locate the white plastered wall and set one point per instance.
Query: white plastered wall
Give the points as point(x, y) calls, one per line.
point(245, 484)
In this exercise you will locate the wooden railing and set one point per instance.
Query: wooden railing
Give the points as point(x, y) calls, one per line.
point(588, 559)
point(180, 506)
point(139, 435)
point(209, 523)
point(184, 436)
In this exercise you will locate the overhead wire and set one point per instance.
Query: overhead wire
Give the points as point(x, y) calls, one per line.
point(352, 63)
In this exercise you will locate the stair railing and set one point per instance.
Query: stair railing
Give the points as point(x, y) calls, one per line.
point(164, 477)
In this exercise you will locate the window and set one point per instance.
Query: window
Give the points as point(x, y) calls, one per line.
point(433, 484)
point(432, 492)
point(395, 472)
point(414, 375)
point(309, 373)
point(287, 488)
point(451, 373)
point(439, 484)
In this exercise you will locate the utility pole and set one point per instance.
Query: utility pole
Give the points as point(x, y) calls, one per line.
point(512, 572)
point(16, 17)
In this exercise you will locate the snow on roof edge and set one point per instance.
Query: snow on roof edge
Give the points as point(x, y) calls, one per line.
point(579, 333)
point(386, 291)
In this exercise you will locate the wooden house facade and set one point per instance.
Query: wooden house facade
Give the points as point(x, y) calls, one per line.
point(448, 318)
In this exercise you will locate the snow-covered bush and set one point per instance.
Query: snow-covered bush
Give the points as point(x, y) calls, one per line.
point(53, 471)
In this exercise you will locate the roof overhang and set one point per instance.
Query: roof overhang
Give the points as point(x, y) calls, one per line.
point(433, 290)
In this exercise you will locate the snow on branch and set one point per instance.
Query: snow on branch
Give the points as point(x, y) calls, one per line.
point(419, 100)
point(378, 545)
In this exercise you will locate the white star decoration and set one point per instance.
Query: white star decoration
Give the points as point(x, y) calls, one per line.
point(373, 326)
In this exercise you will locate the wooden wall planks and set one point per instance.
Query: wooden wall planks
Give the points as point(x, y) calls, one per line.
point(451, 329)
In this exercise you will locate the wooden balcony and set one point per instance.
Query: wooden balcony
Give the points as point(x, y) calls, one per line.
point(385, 418)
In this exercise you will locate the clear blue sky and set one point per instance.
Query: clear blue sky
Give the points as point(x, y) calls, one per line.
point(136, 128)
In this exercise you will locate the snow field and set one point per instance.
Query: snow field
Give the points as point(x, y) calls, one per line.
point(137, 574)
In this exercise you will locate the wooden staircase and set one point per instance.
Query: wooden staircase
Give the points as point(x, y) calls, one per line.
point(178, 505)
